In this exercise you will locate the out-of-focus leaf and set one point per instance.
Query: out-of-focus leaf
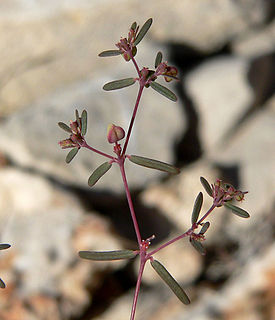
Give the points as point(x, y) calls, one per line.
point(163, 90)
point(71, 155)
point(63, 126)
point(4, 246)
point(2, 284)
point(144, 29)
point(78, 120)
point(206, 186)
point(98, 173)
point(197, 208)
point(158, 59)
point(154, 164)
point(133, 26)
point(170, 281)
point(236, 210)
point(83, 122)
point(205, 227)
point(198, 246)
point(107, 255)
point(119, 84)
point(109, 53)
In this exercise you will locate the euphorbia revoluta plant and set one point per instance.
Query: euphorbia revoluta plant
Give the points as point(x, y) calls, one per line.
point(223, 194)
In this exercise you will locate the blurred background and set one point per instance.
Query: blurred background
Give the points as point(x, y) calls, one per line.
point(221, 127)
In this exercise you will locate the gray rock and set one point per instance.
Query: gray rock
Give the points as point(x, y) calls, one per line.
point(46, 228)
point(220, 94)
point(42, 39)
point(256, 42)
point(252, 150)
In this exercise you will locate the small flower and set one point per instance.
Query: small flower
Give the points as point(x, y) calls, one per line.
point(168, 72)
point(126, 45)
point(224, 192)
point(77, 130)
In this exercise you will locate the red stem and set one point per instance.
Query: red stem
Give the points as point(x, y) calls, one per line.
point(132, 120)
point(130, 202)
point(135, 64)
point(185, 234)
point(134, 305)
point(85, 145)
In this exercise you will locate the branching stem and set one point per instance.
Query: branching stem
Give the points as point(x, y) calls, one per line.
point(185, 234)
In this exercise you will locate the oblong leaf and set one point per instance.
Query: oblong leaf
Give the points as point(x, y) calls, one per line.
point(205, 227)
point(170, 281)
point(63, 126)
point(77, 117)
point(144, 29)
point(71, 155)
point(133, 26)
point(109, 53)
point(236, 210)
point(198, 246)
point(206, 186)
point(197, 208)
point(164, 91)
point(2, 284)
point(158, 59)
point(83, 122)
point(154, 164)
point(4, 246)
point(119, 84)
point(107, 255)
point(98, 173)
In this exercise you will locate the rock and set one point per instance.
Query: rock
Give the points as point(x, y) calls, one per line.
point(46, 228)
point(252, 150)
point(256, 42)
point(221, 95)
point(45, 47)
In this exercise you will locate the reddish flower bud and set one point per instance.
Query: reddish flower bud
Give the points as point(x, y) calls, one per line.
point(115, 133)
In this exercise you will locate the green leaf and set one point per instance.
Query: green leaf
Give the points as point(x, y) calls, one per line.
point(109, 53)
point(236, 210)
point(98, 173)
point(197, 208)
point(107, 255)
point(205, 227)
point(133, 26)
point(154, 164)
point(63, 126)
point(158, 59)
point(83, 122)
point(144, 29)
point(164, 91)
point(78, 120)
point(2, 284)
point(4, 246)
point(118, 84)
point(71, 155)
point(198, 246)
point(206, 186)
point(170, 281)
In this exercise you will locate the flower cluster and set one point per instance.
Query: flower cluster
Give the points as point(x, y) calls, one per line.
point(168, 72)
point(127, 46)
point(77, 130)
point(224, 192)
